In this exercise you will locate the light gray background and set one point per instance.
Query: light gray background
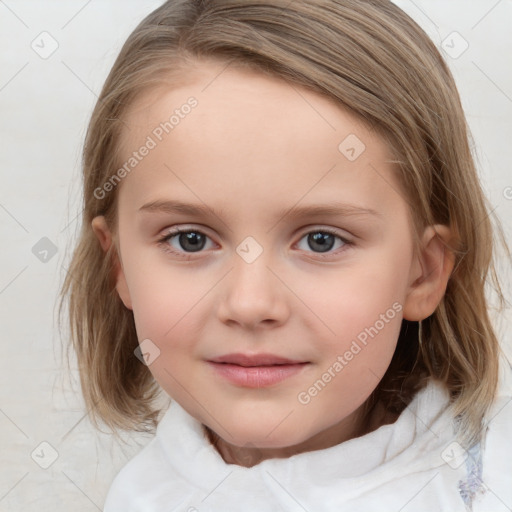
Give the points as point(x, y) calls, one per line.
point(45, 105)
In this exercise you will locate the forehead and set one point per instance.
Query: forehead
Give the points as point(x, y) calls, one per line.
point(226, 93)
point(250, 137)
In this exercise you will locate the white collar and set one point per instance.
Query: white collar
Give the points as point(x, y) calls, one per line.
point(411, 440)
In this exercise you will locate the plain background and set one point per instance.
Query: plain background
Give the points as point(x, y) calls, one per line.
point(45, 104)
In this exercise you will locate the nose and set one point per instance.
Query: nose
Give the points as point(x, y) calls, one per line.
point(252, 296)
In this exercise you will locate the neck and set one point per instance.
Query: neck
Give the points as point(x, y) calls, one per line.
point(360, 422)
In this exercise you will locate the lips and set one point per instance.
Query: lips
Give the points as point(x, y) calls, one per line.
point(254, 360)
point(256, 370)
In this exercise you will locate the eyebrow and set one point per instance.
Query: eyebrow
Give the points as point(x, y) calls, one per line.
point(198, 210)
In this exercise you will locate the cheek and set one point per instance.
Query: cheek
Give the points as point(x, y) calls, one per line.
point(162, 293)
point(360, 309)
point(170, 310)
point(353, 361)
point(166, 305)
point(348, 300)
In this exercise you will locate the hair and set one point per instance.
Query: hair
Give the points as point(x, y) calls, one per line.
point(369, 57)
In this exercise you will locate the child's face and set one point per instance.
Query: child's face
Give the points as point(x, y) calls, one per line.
point(249, 280)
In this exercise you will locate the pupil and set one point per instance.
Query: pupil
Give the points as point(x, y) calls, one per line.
point(321, 242)
point(192, 241)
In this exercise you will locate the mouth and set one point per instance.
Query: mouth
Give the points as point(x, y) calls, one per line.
point(248, 360)
point(256, 371)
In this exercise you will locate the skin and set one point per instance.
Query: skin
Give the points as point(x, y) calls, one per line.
point(252, 149)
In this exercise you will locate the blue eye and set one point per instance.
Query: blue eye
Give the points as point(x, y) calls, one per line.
point(185, 241)
point(322, 241)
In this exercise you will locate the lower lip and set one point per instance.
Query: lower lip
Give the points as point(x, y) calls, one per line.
point(257, 376)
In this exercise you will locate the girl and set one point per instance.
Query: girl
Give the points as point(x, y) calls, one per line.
point(284, 231)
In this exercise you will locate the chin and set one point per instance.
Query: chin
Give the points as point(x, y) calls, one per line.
point(268, 438)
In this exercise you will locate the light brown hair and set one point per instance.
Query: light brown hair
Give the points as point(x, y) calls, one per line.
point(368, 56)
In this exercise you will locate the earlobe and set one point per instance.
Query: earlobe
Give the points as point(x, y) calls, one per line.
point(104, 235)
point(430, 273)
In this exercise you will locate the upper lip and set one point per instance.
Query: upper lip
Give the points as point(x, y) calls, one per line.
point(254, 359)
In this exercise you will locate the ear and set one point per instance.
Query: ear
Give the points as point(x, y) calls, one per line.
point(430, 272)
point(102, 232)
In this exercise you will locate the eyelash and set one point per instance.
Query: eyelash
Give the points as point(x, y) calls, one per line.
point(189, 255)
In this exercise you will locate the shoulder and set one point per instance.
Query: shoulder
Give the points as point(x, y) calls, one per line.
point(497, 448)
point(147, 483)
point(499, 418)
point(131, 485)
point(154, 479)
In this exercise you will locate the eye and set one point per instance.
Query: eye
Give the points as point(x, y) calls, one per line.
point(322, 241)
point(185, 241)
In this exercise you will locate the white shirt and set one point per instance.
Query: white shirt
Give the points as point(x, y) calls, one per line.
point(412, 465)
